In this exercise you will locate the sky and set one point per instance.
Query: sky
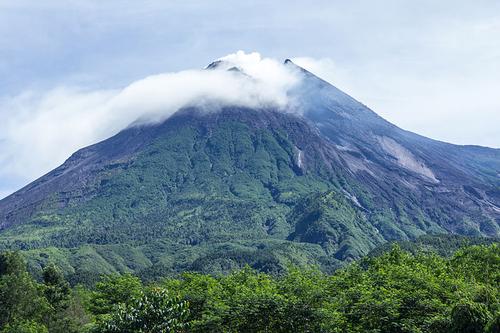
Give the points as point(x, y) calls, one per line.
point(432, 67)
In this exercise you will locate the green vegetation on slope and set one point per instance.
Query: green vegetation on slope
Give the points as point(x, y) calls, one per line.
point(394, 292)
point(443, 245)
point(213, 193)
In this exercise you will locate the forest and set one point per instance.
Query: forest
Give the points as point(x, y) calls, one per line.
point(395, 291)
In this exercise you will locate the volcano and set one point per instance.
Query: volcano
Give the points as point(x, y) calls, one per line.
point(322, 181)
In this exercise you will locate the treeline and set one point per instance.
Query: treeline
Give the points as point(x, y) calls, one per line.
point(396, 291)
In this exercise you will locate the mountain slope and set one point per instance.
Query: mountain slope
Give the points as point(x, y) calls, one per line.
point(323, 181)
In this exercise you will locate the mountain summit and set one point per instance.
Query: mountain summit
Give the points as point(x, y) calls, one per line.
point(320, 181)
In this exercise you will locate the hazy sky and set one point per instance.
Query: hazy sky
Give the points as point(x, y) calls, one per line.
point(432, 67)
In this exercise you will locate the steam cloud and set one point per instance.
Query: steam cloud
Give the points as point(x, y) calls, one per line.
point(43, 129)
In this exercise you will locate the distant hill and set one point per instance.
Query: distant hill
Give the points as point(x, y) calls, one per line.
point(443, 245)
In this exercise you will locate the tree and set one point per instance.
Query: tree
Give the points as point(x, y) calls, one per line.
point(11, 263)
point(57, 290)
point(469, 317)
point(114, 290)
point(20, 296)
point(58, 294)
point(155, 311)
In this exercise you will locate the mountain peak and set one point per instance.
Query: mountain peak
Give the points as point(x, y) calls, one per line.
point(214, 64)
point(224, 66)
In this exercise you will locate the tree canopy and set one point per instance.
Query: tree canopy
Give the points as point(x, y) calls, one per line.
point(396, 291)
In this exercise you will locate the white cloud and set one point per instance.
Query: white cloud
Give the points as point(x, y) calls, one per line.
point(43, 129)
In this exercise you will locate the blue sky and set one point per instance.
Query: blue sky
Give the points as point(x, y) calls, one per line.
point(432, 67)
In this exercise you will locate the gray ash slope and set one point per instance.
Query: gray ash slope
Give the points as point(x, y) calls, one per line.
point(325, 182)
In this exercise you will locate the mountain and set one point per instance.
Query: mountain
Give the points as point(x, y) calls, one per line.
point(321, 181)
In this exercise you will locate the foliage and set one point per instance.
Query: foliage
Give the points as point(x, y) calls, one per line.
point(154, 311)
point(29, 306)
point(21, 299)
point(25, 327)
point(395, 292)
point(114, 290)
